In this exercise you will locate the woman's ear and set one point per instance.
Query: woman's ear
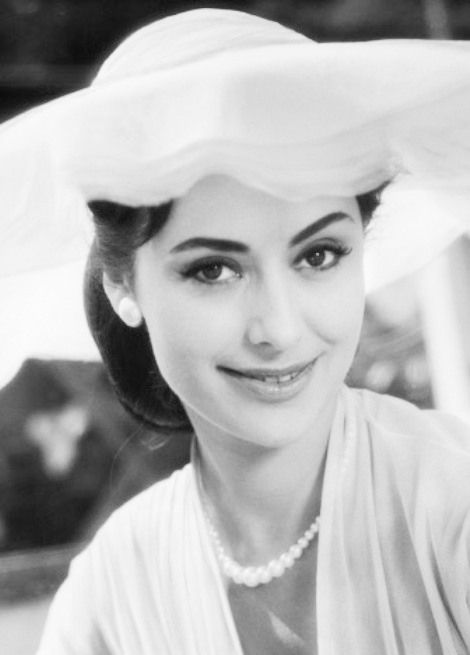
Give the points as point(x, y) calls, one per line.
point(123, 302)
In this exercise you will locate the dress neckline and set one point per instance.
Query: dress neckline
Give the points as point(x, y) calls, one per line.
point(337, 458)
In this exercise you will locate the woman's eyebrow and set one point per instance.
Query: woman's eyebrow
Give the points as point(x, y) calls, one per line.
point(225, 245)
point(318, 225)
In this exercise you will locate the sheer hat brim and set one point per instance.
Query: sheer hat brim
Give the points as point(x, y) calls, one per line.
point(221, 92)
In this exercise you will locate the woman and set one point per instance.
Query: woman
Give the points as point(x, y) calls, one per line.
point(230, 165)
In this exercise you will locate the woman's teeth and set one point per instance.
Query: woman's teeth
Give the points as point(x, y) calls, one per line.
point(276, 379)
point(272, 387)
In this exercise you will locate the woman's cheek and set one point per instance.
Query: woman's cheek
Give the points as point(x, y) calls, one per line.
point(337, 312)
point(191, 330)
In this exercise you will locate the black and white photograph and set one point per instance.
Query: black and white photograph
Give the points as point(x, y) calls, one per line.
point(235, 327)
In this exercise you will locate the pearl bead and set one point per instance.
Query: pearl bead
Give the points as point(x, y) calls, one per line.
point(287, 560)
point(225, 560)
point(237, 575)
point(303, 542)
point(275, 568)
point(250, 577)
point(295, 551)
point(264, 575)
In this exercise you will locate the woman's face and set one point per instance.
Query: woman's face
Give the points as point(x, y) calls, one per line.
point(254, 307)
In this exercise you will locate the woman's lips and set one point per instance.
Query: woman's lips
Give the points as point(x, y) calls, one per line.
point(272, 384)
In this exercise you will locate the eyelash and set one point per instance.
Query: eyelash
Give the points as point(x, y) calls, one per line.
point(219, 263)
point(338, 251)
point(198, 267)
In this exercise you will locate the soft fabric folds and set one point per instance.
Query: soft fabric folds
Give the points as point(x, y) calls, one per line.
point(393, 551)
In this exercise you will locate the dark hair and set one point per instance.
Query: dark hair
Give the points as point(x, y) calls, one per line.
point(126, 352)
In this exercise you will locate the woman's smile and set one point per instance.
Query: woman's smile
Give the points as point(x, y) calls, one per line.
point(254, 307)
point(272, 385)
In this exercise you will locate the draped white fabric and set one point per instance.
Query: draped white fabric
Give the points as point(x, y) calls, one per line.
point(213, 91)
point(393, 555)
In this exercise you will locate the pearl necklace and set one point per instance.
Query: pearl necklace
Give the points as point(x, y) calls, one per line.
point(253, 576)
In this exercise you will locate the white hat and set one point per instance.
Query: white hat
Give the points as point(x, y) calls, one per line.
point(216, 91)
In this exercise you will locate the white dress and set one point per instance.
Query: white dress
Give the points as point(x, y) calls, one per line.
point(393, 564)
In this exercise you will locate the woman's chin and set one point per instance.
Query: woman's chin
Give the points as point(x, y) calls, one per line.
point(260, 428)
point(268, 414)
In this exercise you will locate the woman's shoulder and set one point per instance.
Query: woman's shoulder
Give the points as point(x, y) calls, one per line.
point(115, 578)
point(135, 525)
point(400, 420)
point(426, 452)
point(152, 501)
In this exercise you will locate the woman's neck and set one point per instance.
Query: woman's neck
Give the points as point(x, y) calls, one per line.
point(261, 500)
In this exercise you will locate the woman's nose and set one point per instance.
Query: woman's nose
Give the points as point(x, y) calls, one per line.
point(275, 317)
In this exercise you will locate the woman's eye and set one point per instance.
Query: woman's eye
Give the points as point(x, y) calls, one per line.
point(324, 257)
point(211, 272)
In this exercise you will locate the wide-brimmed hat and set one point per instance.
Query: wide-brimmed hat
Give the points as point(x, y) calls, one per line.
point(222, 92)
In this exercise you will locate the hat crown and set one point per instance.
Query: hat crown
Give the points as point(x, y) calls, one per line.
point(191, 36)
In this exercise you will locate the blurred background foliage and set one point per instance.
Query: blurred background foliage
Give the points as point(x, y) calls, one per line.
point(68, 453)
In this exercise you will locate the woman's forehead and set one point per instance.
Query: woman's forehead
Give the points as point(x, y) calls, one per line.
point(221, 205)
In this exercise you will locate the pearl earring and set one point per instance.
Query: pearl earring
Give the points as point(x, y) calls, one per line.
point(129, 312)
